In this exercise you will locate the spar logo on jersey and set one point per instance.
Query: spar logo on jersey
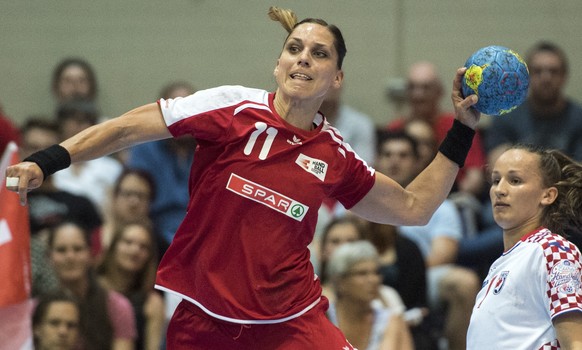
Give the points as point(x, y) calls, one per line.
point(266, 196)
point(500, 282)
point(565, 277)
point(311, 165)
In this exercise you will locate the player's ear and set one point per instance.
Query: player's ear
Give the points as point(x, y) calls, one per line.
point(339, 78)
point(276, 70)
point(549, 196)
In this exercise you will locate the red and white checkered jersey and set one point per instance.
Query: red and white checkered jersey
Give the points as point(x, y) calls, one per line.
point(534, 282)
point(256, 184)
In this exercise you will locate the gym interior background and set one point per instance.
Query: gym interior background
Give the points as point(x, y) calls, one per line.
point(137, 46)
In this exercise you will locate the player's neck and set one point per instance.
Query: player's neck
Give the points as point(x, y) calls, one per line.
point(299, 113)
point(513, 235)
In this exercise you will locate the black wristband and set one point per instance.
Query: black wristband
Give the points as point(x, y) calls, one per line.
point(458, 142)
point(51, 160)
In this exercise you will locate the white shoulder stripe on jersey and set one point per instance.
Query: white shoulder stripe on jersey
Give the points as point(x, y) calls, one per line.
point(250, 105)
point(333, 132)
point(203, 101)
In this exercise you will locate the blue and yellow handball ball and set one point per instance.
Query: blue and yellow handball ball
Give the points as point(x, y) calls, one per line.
point(499, 77)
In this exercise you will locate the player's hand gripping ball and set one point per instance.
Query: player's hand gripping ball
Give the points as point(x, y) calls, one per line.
point(499, 77)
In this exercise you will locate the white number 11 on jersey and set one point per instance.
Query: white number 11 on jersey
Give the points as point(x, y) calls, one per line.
point(260, 128)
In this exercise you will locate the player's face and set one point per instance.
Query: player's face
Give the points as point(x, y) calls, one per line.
point(396, 160)
point(133, 199)
point(133, 249)
point(59, 328)
point(70, 254)
point(517, 192)
point(547, 77)
point(339, 234)
point(362, 282)
point(307, 66)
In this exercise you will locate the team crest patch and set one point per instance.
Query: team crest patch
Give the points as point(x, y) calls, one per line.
point(314, 166)
point(267, 197)
point(565, 277)
point(500, 282)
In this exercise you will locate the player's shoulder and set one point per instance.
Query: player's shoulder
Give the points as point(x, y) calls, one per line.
point(239, 92)
point(554, 246)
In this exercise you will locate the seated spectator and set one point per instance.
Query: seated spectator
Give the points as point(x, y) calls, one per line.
point(423, 134)
point(107, 316)
point(448, 284)
point(548, 117)
point(133, 193)
point(74, 78)
point(423, 95)
point(169, 206)
point(342, 230)
point(402, 267)
point(93, 179)
point(353, 270)
point(55, 322)
point(129, 267)
point(49, 206)
point(356, 128)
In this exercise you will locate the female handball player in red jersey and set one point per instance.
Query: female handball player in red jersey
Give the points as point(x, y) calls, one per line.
point(263, 165)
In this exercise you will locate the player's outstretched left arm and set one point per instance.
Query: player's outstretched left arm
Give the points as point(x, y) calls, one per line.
point(389, 203)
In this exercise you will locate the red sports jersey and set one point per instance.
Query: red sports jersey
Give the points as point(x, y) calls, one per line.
point(255, 188)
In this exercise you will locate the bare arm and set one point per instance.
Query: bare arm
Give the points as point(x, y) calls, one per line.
point(142, 124)
point(155, 321)
point(443, 251)
point(397, 335)
point(123, 344)
point(569, 330)
point(389, 203)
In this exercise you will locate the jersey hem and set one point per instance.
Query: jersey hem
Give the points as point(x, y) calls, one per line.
point(236, 320)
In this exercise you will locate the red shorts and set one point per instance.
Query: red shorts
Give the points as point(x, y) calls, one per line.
point(191, 328)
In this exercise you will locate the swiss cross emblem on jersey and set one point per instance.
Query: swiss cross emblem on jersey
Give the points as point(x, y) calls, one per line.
point(314, 166)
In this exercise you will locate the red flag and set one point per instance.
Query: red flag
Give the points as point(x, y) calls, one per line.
point(14, 263)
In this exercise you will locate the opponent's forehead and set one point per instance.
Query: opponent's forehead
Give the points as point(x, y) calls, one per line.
point(518, 160)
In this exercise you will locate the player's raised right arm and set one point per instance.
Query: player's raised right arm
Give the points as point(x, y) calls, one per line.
point(142, 124)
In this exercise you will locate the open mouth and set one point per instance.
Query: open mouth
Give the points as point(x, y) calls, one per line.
point(300, 76)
